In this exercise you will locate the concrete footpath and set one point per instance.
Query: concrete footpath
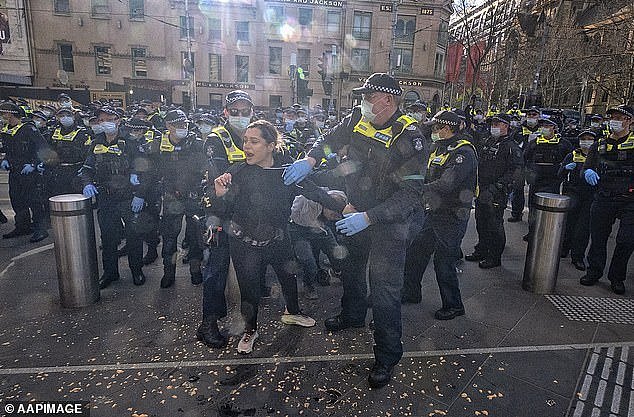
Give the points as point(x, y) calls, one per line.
point(134, 353)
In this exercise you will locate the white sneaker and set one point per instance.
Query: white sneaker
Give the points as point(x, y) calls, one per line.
point(246, 342)
point(298, 320)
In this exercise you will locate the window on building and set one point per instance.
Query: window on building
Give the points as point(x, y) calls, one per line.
point(360, 60)
point(103, 60)
point(333, 22)
point(303, 60)
point(402, 60)
point(188, 65)
point(215, 29)
point(305, 17)
point(137, 9)
point(443, 33)
point(215, 67)
point(215, 101)
point(242, 31)
point(61, 6)
point(275, 60)
point(362, 25)
point(66, 61)
point(242, 68)
point(439, 65)
point(275, 102)
point(405, 28)
point(139, 64)
point(183, 26)
point(100, 8)
point(274, 16)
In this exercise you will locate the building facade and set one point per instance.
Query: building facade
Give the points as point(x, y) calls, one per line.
point(143, 47)
point(15, 44)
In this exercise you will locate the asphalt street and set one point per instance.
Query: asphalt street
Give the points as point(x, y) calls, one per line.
point(134, 352)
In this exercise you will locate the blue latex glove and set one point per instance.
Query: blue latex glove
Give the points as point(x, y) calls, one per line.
point(137, 204)
point(571, 166)
point(27, 169)
point(4, 165)
point(352, 223)
point(297, 171)
point(40, 168)
point(90, 191)
point(591, 177)
point(331, 156)
point(134, 179)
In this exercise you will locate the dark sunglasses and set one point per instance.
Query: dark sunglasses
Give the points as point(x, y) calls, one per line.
point(239, 112)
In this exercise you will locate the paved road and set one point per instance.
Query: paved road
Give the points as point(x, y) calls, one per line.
point(134, 352)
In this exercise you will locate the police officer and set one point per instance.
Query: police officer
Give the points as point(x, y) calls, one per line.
point(610, 166)
point(582, 194)
point(182, 164)
point(154, 115)
point(69, 143)
point(500, 161)
point(417, 110)
point(225, 145)
point(450, 185)
point(515, 110)
point(40, 120)
point(525, 134)
point(106, 176)
point(23, 146)
point(596, 125)
point(542, 158)
point(383, 176)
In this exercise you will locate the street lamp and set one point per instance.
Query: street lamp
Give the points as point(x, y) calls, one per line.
point(292, 74)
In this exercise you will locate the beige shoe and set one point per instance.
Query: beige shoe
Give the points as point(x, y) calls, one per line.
point(245, 345)
point(298, 320)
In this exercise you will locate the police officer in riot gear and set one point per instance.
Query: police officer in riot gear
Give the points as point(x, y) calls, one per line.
point(225, 145)
point(383, 177)
point(182, 164)
point(610, 167)
point(450, 185)
point(23, 146)
point(106, 176)
point(500, 161)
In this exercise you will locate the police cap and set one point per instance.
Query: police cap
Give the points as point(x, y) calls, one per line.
point(596, 117)
point(446, 117)
point(12, 108)
point(175, 116)
point(461, 113)
point(588, 133)
point(623, 109)
point(39, 114)
point(67, 110)
point(290, 110)
point(501, 117)
point(136, 124)
point(416, 105)
point(547, 121)
point(533, 109)
point(208, 118)
point(237, 95)
point(63, 96)
point(381, 82)
point(141, 110)
point(109, 110)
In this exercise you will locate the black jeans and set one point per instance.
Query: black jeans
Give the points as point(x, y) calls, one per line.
point(517, 197)
point(441, 236)
point(171, 225)
point(249, 262)
point(577, 225)
point(489, 219)
point(215, 278)
point(382, 248)
point(602, 216)
point(307, 244)
point(25, 195)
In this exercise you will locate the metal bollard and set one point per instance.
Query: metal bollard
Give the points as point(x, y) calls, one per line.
point(542, 256)
point(75, 249)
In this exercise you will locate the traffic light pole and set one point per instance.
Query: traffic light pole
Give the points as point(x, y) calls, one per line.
point(292, 74)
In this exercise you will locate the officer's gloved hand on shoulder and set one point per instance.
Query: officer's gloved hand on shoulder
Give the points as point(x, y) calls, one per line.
point(41, 168)
point(27, 169)
point(297, 171)
point(90, 191)
point(5, 165)
point(571, 166)
point(352, 223)
point(134, 179)
point(591, 177)
point(137, 204)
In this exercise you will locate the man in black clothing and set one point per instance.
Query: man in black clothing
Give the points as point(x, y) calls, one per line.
point(610, 167)
point(383, 175)
point(23, 146)
point(500, 162)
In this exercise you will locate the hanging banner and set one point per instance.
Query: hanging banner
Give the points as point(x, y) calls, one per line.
point(454, 58)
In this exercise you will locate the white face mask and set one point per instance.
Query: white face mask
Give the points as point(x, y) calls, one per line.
point(66, 121)
point(595, 124)
point(319, 124)
point(301, 119)
point(585, 143)
point(478, 117)
point(136, 135)
point(435, 136)
point(366, 110)
point(239, 122)
point(418, 116)
point(109, 127)
point(531, 121)
point(181, 133)
point(97, 129)
point(66, 104)
point(38, 123)
point(496, 132)
point(515, 123)
point(204, 128)
point(616, 125)
point(547, 131)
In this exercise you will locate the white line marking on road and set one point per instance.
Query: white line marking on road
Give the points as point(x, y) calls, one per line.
point(299, 359)
point(620, 375)
point(598, 399)
point(578, 409)
point(607, 367)
point(593, 361)
point(25, 255)
point(610, 353)
point(585, 389)
point(616, 399)
point(596, 412)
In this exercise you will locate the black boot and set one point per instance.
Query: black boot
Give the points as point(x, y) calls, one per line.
point(169, 276)
point(107, 279)
point(150, 256)
point(194, 270)
point(138, 277)
point(3, 218)
point(475, 257)
point(38, 236)
point(380, 375)
point(210, 335)
point(17, 232)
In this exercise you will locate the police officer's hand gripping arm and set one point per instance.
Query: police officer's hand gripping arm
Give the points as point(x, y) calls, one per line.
point(588, 172)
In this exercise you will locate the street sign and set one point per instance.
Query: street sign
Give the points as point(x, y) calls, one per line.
point(386, 8)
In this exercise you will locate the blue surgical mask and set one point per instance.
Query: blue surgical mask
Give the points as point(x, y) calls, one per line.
point(435, 136)
point(239, 122)
point(289, 125)
point(97, 129)
point(67, 121)
point(109, 127)
point(366, 110)
point(181, 133)
point(496, 132)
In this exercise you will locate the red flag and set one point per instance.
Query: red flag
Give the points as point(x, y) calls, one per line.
point(454, 57)
point(476, 54)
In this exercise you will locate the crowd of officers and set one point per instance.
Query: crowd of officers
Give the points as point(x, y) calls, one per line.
point(379, 192)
